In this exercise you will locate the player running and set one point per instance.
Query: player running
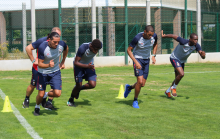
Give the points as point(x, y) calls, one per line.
point(49, 68)
point(34, 78)
point(141, 46)
point(179, 57)
point(84, 69)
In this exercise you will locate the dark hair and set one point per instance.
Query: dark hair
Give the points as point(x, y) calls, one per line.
point(149, 28)
point(53, 34)
point(96, 44)
point(192, 35)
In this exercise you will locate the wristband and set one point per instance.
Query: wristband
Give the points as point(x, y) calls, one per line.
point(33, 61)
point(154, 55)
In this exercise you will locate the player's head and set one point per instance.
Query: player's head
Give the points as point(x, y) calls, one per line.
point(53, 39)
point(148, 32)
point(95, 46)
point(193, 39)
point(56, 29)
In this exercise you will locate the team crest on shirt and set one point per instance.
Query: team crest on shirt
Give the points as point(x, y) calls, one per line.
point(152, 41)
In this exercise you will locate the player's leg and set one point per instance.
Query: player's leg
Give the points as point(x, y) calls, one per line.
point(56, 88)
point(41, 87)
point(74, 93)
point(30, 88)
point(179, 72)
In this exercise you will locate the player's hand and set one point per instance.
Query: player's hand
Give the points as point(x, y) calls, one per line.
point(202, 54)
point(153, 60)
point(138, 66)
point(162, 35)
point(61, 65)
point(51, 64)
point(90, 66)
point(36, 61)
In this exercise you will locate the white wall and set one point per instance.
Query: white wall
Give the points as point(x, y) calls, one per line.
point(25, 64)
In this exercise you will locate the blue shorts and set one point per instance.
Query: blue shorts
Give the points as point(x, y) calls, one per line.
point(34, 77)
point(176, 63)
point(84, 73)
point(54, 79)
point(145, 68)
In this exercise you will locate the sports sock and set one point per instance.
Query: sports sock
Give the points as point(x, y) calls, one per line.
point(130, 87)
point(45, 95)
point(135, 99)
point(27, 97)
point(37, 106)
point(174, 86)
point(168, 90)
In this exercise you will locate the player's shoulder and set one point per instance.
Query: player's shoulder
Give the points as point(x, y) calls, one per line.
point(62, 43)
point(85, 45)
point(43, 44)
point(42, 39)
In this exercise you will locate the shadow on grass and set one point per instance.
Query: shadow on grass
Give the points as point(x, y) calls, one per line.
point(129, 102)
point(173, 98)
point(85, 102)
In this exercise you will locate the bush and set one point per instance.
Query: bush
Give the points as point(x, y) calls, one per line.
point(3, 51)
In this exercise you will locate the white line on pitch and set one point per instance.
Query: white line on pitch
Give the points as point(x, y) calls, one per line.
point(22, 120)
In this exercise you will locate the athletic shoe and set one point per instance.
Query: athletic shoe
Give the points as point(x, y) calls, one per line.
point(168, 94)
point(127, 90)
point(173, 92)
point(26, 103)
point(49, 106)
point(135, 104)
point(44, 101)
point(37, 112)
point(71, 104)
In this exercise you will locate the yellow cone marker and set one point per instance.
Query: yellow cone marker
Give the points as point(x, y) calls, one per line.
point(7, 105)
point(121, 93)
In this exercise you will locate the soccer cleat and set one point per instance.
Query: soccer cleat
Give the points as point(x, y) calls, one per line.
point(26, 103)
point(168, 94)
point(127, 90)
point(135, 104)
point(49, 106)
point(37, 112)
point(71, 104)
point(44, 101)
point(173, 92)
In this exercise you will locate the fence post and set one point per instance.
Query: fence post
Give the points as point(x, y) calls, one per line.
point(76, 29)
point(93, 19)
point(198, 23)
point(60, 17)
point(33, 25)
point(217, 33)
point(185, 19)
point(126, 32)
point(100, 20)
point(24, 30)
point(148, 15)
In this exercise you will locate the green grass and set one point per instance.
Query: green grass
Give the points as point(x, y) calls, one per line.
point(195, 113)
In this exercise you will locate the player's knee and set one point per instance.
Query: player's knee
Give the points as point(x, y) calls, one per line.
point(58, 93)
point(181, 75)
point(143, 84)
point(92, 85)
point(41, 95)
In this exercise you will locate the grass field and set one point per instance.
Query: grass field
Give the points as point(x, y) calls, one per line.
point(195, 113)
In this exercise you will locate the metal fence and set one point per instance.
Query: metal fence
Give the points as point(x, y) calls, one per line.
point(75, 20)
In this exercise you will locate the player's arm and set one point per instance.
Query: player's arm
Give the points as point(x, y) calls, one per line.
point(65, 52)
point(154, 52)
point(42, 65)
point(169, 35)
point(78, 64)
point(29, 49)
point(202, 54)
point(129, 51)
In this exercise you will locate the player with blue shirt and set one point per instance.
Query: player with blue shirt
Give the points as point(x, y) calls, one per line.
point(141, 45)
point(179, 56)
point(84, 69)
point(34, 79)
point(49, 68)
